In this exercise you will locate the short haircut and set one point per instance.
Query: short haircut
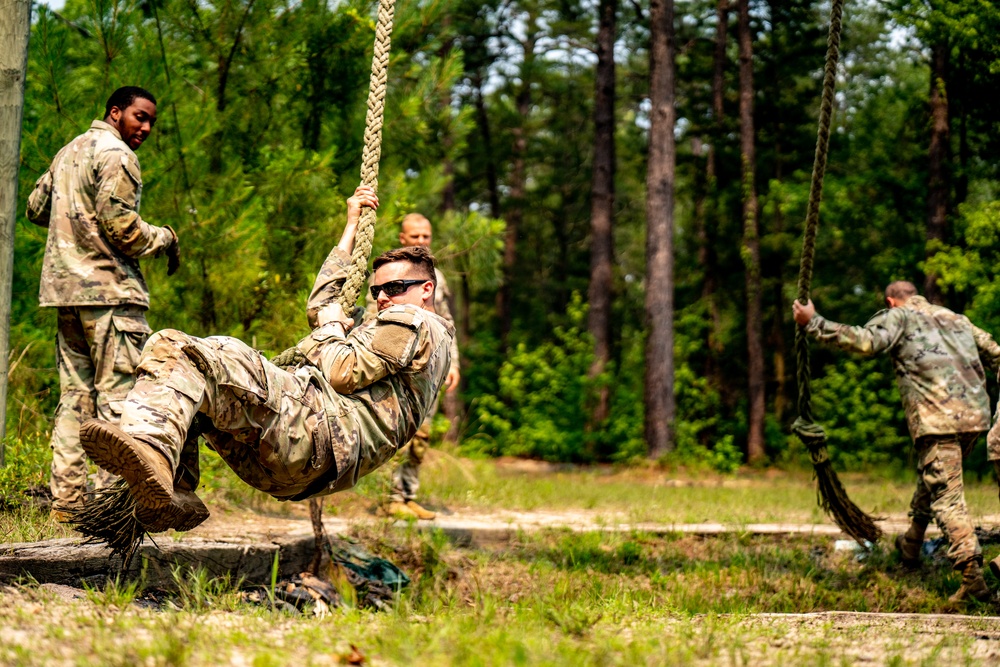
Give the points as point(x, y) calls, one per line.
point(901, 290)
point(417, 256)
point(125, 96)
point(413, 217)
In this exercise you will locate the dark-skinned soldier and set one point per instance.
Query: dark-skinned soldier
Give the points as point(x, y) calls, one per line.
point(89, 201)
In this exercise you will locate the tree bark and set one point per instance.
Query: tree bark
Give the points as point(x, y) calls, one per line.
point(518, 178)
point(751, 244)
point(602, 198)
point(14, 31)
point(483, 121)
point(938, 155)
point(660, 171)
point(707, 256)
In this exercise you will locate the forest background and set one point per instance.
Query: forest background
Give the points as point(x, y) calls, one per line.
point(521, 128)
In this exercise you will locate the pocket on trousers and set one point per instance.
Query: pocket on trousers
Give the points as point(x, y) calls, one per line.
point(131, 333)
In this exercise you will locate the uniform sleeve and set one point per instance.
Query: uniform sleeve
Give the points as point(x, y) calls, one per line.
point(329, 283)
point(989, 351)
point(880, 334)
point(40, 200)
point(442, 296)
point(354, 362)
point(119, 185)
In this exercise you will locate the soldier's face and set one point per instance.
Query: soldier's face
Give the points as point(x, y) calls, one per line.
point(416, 233)
point(134, 123)
point(420, 295)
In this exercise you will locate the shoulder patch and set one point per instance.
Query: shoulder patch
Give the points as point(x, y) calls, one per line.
point(405, 316)
point(395, 335)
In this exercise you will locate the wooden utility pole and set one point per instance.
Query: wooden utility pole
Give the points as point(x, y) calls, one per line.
point(660, 170)
point(15, 24)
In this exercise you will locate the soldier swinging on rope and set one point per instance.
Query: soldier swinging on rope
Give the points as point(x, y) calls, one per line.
point(293, 434)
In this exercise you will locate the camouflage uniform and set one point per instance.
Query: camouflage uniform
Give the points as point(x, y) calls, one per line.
point(89, 201)
point(938, 357)
point(309, 432)
point(406, 478)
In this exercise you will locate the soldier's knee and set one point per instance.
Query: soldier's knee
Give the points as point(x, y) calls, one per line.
point(167, 337)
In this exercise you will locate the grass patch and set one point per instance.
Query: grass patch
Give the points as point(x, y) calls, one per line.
point(549, 599)
point(650, 494)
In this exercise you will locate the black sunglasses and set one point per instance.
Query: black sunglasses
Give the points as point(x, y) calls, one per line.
point(394, 287)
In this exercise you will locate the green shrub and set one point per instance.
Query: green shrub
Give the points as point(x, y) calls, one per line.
point(539, 409)
point(857, 402)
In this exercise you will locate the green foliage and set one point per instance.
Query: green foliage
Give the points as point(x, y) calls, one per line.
point(542, 391)
point(27, 468)
point(857, 403)
point(967, 268)
point(258, 143)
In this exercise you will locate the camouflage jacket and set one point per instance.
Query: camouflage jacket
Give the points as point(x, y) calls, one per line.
point(379, 382)
point(938, 358)
point(89, 200)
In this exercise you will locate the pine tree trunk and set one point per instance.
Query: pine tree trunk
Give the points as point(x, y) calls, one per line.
point(452, 401)
point(938, 156)
point(483, 121)
point(751, 243)
point(660, 170)
point(14, 30)
point(602, 197)
point(707, 256)
point(518, 183)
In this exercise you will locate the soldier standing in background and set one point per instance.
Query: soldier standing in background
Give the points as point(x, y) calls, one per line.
point(416, 230)
point(89, 201)
point(938, 357)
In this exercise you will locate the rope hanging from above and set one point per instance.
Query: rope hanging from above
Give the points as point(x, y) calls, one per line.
point(358, 273)
point(832, 495)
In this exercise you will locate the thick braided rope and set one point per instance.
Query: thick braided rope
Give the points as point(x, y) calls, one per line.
point(832, 496)
point(803, 374)
point(358, 273)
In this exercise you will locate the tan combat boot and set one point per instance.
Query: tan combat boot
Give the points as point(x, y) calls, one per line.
point(185, 512)
point(973, 585)
point(398, 510)
point(422, 513)
point(59, 515)
point(147, 471)
point(910, 543)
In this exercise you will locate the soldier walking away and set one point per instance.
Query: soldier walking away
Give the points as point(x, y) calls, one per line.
point(294, 434)
point(88, 199)
point(416, 231)
point(938, 357)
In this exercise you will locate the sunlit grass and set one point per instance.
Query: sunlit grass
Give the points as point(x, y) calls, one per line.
point(549, 599)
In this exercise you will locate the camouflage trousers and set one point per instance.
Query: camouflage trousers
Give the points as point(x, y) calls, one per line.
point(97, 350)
point(406, 477)
point(940, 493)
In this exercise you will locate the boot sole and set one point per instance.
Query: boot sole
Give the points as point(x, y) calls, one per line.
point(179, 517)
point(112, 449)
